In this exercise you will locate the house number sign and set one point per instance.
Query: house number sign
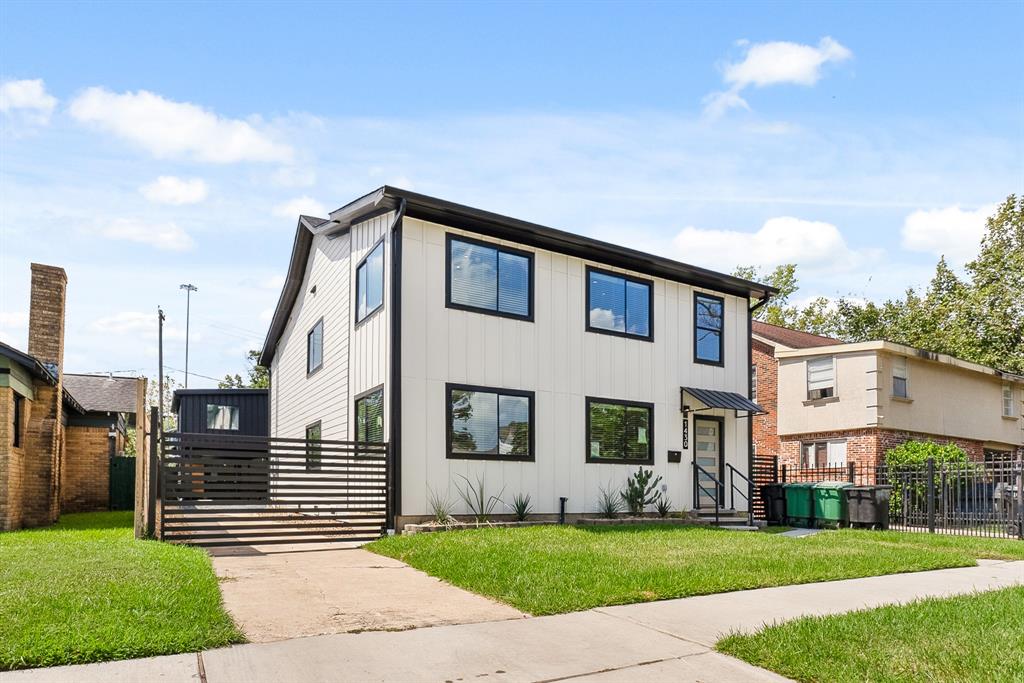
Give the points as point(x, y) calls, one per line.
point(686, 433)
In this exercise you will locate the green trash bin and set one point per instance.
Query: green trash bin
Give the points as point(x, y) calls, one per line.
point(830, 506)
point(800, 504)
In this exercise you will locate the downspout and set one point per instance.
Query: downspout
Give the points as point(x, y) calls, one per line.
point(750, 423)
point(394, 507)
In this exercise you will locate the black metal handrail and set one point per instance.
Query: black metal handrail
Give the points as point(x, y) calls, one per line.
point(698, 487)
point(733, 488)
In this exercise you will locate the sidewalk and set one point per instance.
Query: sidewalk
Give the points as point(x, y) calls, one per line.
point(669, 640)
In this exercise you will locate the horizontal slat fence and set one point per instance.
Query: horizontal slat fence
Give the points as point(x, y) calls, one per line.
point(228, 490)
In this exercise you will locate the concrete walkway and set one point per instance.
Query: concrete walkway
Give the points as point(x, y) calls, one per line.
point(669, 640)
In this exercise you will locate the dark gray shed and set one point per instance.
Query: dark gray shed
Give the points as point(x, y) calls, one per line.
point(222, 411)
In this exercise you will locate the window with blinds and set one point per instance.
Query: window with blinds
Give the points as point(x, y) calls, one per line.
point(370, 283)
point(821, 382)
point(620, 431)
point(370, 417)
point(618, 304)
point(899, 377)
point(1008, 400)
point(486, 278)
point(489, 424)
point(708, 328)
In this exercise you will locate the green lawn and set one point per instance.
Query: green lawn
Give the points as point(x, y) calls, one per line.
point(553, 569)
point(85, 590)
point(976, 637)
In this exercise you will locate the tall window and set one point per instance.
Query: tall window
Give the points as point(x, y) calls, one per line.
point(221, 417)
point(16, 421)
point(618, 304)
point(1008, 410)
point(370, 282)
point(489, 424)
point(489, 279)
point(313, 447)
point(370, 417)
point(753, 383)
point(315, 347)
point(620, 431)
point(708, 327)
point(899, 377)
point(821, 378)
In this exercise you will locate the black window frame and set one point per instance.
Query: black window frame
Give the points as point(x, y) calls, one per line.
point(529, 255)
point(309, 335)
point(237, 409)
point(649, 337)
point(721, 333)
point(500, 391)
point(649, 460)
point(17, 419)
point(314, 462)
point(355, 412)
point(383, 278)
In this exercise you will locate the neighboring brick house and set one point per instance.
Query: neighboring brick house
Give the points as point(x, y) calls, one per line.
point(830, 403)
point(50, 457)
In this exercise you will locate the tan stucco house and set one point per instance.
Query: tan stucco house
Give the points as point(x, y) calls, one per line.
point(829, 403)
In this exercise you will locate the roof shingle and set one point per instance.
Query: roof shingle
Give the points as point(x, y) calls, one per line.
point(103, 393)
point(794, 339)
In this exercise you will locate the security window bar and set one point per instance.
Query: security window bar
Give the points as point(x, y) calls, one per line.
point(313, 447)
point(899, 377)
point(708, 329)
point(618, 304)
point(486, 278)
point(489, 424)
point(315, 347)
point(620, 431)
point(820, 378)
point(370, 283)
point(370, 417)
point(221, 417)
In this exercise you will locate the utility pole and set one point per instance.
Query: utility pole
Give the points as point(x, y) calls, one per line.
point(189, 288)
point(160, 372)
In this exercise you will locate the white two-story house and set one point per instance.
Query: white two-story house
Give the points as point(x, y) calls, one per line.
point(539, 361)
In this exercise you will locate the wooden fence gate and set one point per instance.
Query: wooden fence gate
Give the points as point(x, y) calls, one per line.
point(227, 490)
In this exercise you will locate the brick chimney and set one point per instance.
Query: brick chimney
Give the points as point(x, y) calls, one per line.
point(46, 315)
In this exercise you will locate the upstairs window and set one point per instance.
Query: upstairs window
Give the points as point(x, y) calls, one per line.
point(899, 377)
point(1008, 410)
point(489, 424)
point(315, 347)
point(620, 431)
point(370, 417)
point(487, 278)
point(821, 378)
point(617, 304)
point(370, 283)
point(709, 325)
point(221, 417)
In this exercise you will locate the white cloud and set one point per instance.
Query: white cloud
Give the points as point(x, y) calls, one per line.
point(136, 324)
point(28, 99)
point(169, 129)
point(300, 205)
point(168, 236)
point(14, 327)
point(774, 63)
point(951, 231)
point(780, 240)
point(168, 189)
point(293, 176)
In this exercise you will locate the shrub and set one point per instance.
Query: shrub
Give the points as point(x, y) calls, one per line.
point(911, 459)
point(663, 507)
point(915, 453)
point(609, 505)
point(441, 508)
point(641, 491)
point(480, 505)
point(521, 506)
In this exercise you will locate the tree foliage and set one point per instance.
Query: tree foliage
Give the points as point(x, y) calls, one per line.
point(258, 376)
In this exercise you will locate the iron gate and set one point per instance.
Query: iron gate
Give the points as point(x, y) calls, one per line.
point(228, 490)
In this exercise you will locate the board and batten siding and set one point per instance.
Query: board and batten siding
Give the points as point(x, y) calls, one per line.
point(558, 359)
point(354, 357)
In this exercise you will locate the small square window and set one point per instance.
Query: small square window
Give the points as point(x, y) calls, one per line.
point(221, 417)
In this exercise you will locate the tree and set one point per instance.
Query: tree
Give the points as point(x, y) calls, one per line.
point(777, 311)
point(258, 376)
point(153, 399)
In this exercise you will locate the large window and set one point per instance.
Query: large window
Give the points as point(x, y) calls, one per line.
point(315, 347)
point(313, 446)
point(1008, 407)
point(617, 304)
point(708, 328)
point(16, 421)
point(370, 417)
point(821, 378)
point(899, 377)
point(489, 424)
point(487, 278)
point(221, 417)
point(620, 431)
point(824, 454)
point(370, 282)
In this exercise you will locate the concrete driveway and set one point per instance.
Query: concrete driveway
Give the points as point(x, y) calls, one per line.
point(277, 594)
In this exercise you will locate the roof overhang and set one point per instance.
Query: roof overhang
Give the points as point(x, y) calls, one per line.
point(40, 371)
point(713, 399)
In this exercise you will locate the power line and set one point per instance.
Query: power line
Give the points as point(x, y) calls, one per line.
point(193, 372)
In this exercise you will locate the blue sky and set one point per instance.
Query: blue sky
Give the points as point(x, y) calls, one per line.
point(145, 145)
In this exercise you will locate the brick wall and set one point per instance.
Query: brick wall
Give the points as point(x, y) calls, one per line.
point(766, 433)
point(12, 462)
point(868, 446)
point(43, 439)
point(86, 474)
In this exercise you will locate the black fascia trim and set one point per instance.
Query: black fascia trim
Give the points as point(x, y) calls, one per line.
point(650, 426)
point(627, 278)
point(313, 371)
point(721, 333)
point(355, 408)
point(449, 455)
point(721, 449)
point(449, 238)
point(369, 314)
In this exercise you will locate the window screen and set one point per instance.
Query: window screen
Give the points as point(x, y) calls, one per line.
point(490, 423)
point(489, 278)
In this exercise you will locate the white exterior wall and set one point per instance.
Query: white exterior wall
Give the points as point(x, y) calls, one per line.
point(556, 358)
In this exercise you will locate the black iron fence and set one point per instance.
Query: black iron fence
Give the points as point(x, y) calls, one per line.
point(965, 499)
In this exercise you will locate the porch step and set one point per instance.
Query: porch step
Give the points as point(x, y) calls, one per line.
point(725, 517)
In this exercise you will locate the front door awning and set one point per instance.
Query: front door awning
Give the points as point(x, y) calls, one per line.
point(729, 400)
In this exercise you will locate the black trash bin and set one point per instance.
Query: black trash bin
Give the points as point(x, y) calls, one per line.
point(868, 505)
point(774, 497)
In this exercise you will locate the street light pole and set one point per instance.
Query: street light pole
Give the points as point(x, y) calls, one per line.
point(189, 288)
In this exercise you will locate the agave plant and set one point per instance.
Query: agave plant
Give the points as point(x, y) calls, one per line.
point(441, 508)
point(663, 506)
point(480, 505)
point(522, 506)
point(609, 504)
